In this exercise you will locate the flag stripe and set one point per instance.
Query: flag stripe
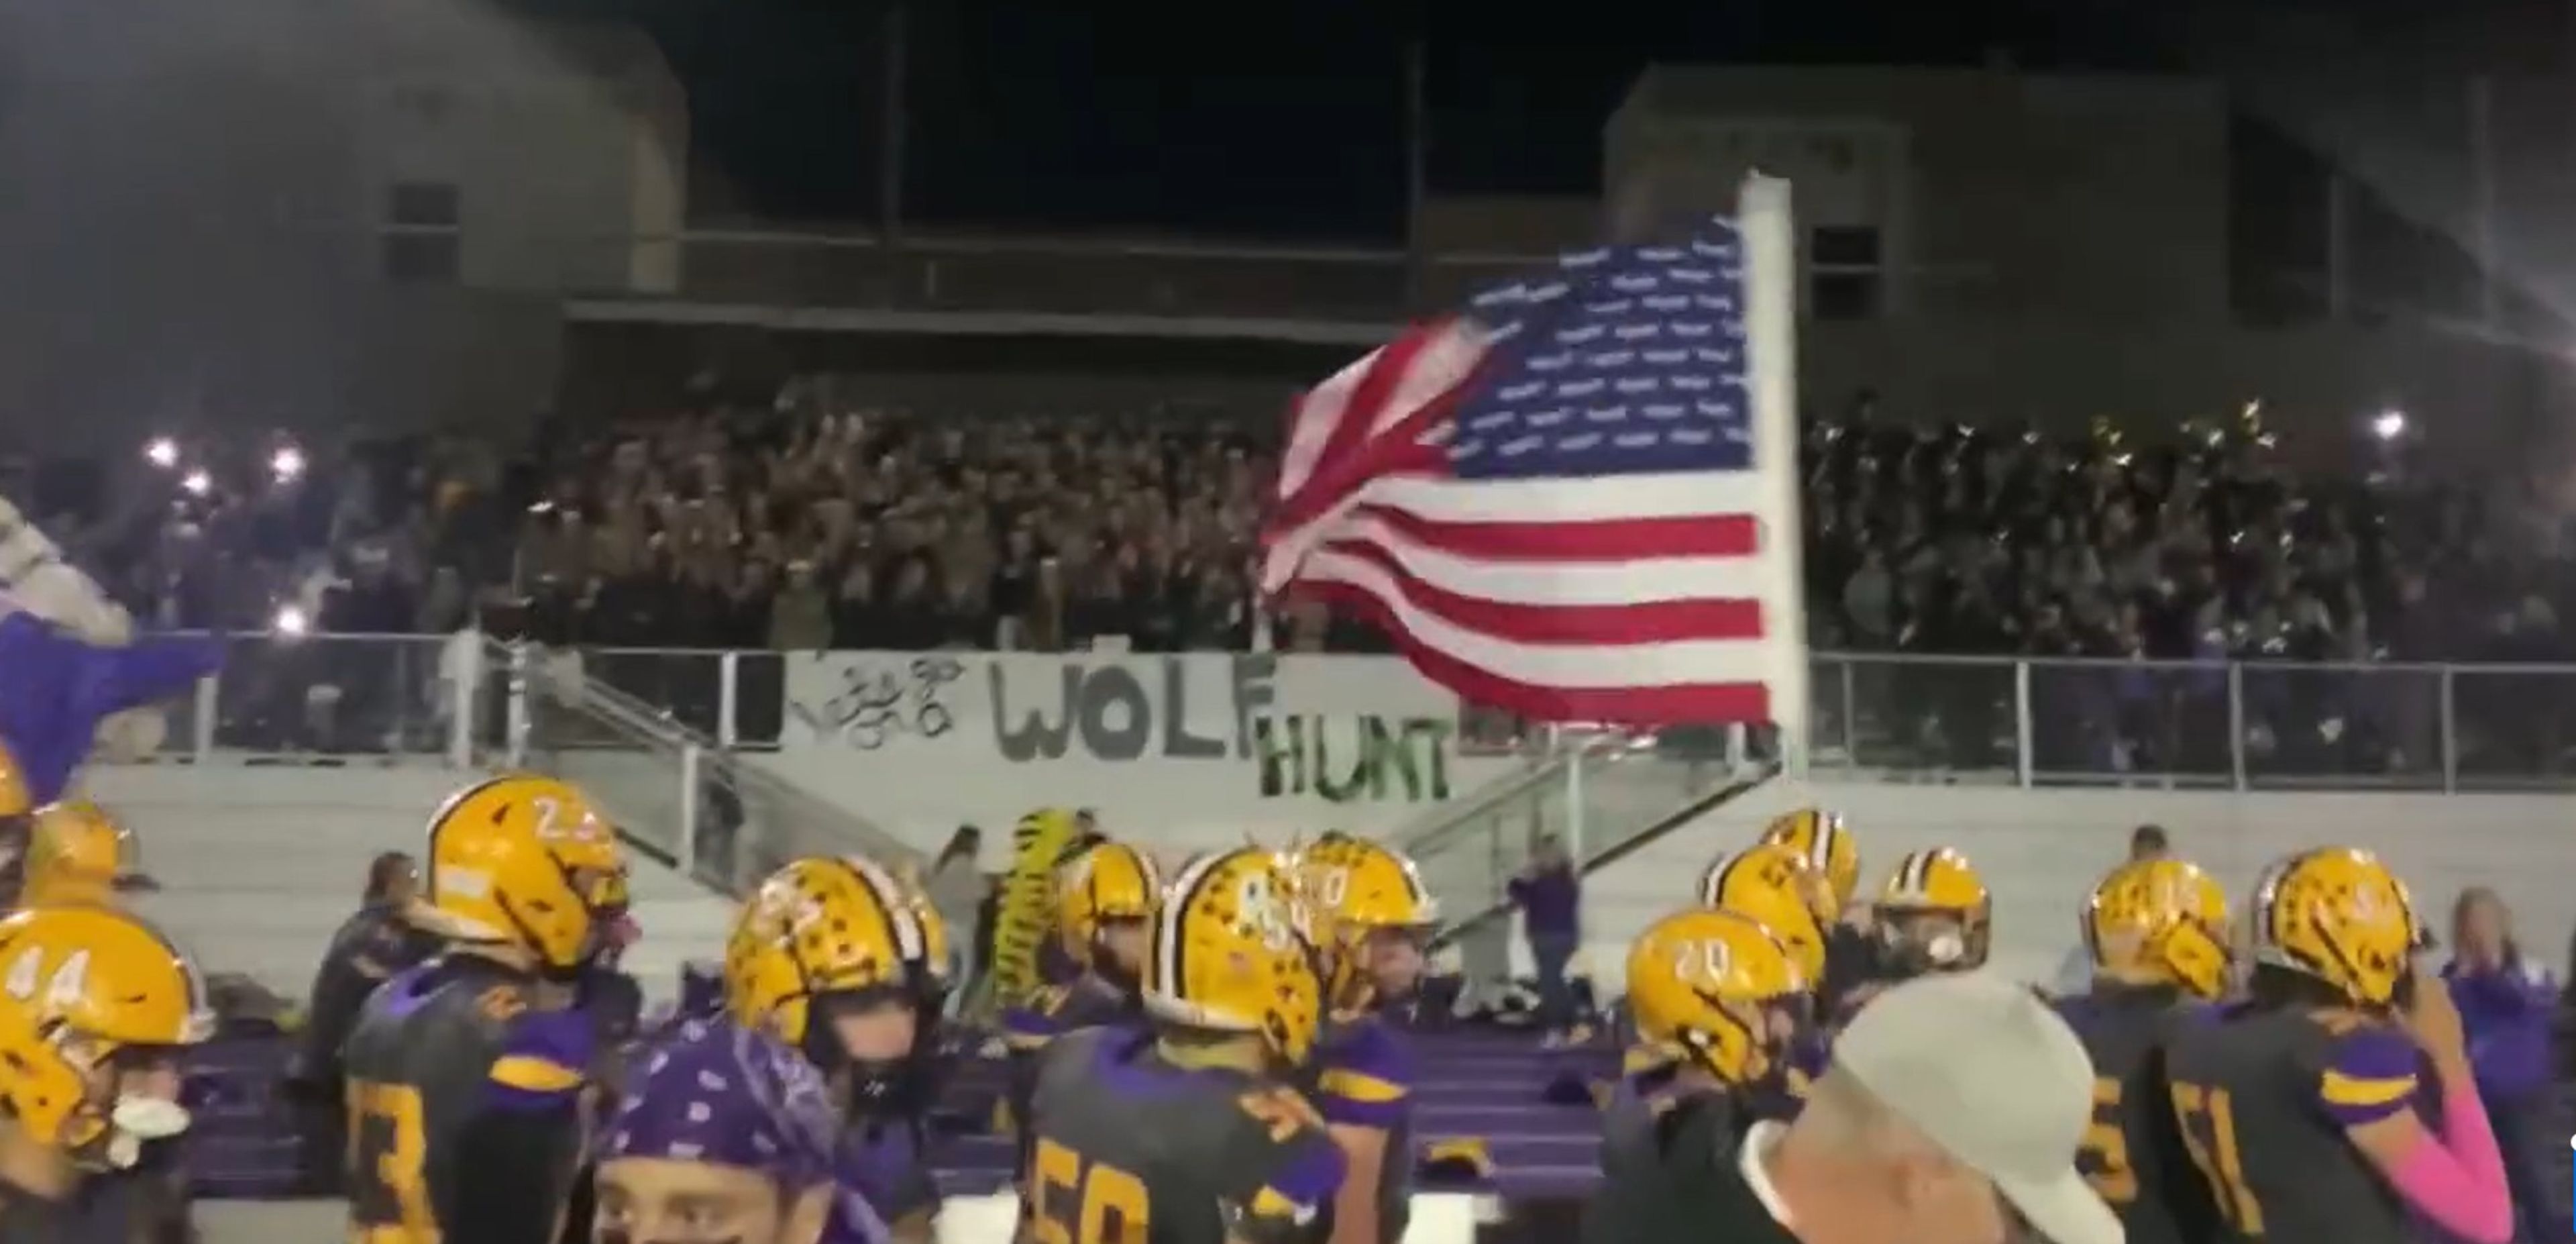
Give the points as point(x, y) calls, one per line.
point(1610, 582)
point(1681, 495)
point(1545, 623)
point(1658, 701)
point(1551, 540)
point(1396, 383)
point(1564, 665)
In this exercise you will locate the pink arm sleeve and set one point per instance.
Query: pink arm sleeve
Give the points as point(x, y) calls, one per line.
point(2456, 1178)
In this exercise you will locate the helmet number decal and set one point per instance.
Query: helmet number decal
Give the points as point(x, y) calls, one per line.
point(1332, 885)
point(26, 976)
point(1708, 960)
point(1264, 913)
point(549, 812)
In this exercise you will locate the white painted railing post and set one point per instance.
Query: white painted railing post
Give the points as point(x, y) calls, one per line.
point(685, 851)
point(2448, 721)
point(515, 744)
point(2025, 765)
point(2236, 723)
point(201, 734)
point(461, 661)
point(728, 698)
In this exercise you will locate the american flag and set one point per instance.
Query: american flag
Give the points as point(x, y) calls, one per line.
point(1561, 504)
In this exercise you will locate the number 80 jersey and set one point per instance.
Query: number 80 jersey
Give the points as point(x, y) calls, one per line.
point(1129, 1148)
point(436, 1051)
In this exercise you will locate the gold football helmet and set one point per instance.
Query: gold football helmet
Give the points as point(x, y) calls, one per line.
point(1226, 954)
point(1106, 884)
point(523, 864)
point(1354, 892)
point(1935, 912)
point(1772, 886)
point(1821, 838)
point(1716, 989)
point(76, 854)
point(2341, 916)
point(2160, 922)
point(86, 994)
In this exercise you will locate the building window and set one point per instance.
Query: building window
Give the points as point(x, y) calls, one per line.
point(423, 233)
point(1846, 272)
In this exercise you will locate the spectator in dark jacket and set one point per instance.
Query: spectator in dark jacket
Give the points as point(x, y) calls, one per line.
point(1550, 897)
point(2505, 1003)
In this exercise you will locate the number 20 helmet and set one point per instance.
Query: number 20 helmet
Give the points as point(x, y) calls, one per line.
point(1225, 954)
point(2160, 922)
point(83, 989)
point(524, 863)
point(1352, 890)
point(1706, 986)
point(2341, 916)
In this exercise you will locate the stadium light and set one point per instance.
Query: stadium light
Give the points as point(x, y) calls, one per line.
point(290, 620)
point(198, 483)
point(2390, 425)
point(286, 464)
point(162, 452)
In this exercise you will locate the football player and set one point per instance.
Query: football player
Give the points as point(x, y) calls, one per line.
point(2304, 1107)
point(77, 854)
point(95, 1008)
point(839, 959)
point(1933, 915)
point(2157, 931)
point(1188, 1131)
point(467, 1077)
point(1370, 919)
point(1832, 854)
point(751, 1163)
point(388, 935)
point(1773, 886)
point(1103, 897)
point(1717, 1002)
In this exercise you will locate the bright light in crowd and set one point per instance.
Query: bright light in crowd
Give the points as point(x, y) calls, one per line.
point(289, 621)
point(286, 463)
point(2389, 425)
point(198, 483)
point(162, 452)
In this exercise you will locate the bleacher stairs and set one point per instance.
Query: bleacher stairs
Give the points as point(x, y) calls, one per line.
point(258, 864)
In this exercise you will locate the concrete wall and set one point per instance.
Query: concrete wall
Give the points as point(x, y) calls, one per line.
point(260, 865)
point(2042, 852)
point(196, 225)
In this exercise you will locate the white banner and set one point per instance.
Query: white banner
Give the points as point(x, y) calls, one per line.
point(1232, 741)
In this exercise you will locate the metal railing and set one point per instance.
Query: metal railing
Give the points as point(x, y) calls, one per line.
point(2034, 722)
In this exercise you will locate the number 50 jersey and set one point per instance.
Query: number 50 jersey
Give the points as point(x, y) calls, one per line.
point(1129, 1148)
point(444, 1060)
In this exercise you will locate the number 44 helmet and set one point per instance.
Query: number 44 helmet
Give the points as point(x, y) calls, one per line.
point(87, 994)
point(1226, 955)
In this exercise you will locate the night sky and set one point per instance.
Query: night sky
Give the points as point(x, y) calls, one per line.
point(1250, 121)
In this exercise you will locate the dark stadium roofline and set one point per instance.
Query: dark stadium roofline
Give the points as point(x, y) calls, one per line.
point(975, 323)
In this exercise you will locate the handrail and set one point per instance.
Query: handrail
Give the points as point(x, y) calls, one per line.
point(1499, 908)
point(1485, 801)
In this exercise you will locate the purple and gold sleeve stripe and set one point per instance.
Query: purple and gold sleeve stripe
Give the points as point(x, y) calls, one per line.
point(2370, 1074)
point(1359, 1099)
point(544, 1062)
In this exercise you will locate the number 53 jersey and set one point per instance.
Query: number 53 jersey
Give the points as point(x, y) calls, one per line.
point(437, 1053)
point(1130, 1148)
point(2262, 1098)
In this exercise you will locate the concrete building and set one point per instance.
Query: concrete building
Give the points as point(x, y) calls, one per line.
point(314, 216)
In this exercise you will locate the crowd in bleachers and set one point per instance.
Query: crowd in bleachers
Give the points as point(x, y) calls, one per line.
point(819, 521)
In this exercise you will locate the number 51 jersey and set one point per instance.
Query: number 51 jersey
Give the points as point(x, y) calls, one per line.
point(1130, 1148)
point(437, 1050)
